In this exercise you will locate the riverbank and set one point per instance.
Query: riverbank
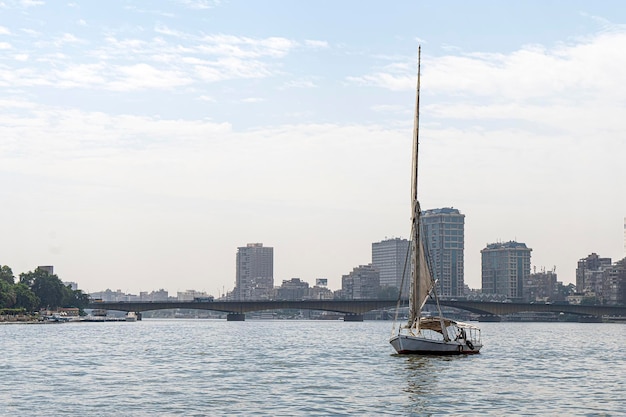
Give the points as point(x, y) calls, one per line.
point(8, 319)
point(39, 320)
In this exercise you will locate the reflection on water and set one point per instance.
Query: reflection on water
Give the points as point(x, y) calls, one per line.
point(420, 380)
point(423, 375)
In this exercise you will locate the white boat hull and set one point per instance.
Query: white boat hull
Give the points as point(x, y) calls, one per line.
point(408, 344)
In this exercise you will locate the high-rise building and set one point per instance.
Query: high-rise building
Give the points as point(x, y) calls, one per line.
point(255, 272)
point(444, 238)
point(389, 258)
point(589, 274)
point(362, 283)
point(48, 268)
point(505, 268)
point(614, 284)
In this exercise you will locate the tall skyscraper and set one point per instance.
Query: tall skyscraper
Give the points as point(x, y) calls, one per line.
point(505, 267)
point(444, 238)
point(255, 272)
point(389, 257)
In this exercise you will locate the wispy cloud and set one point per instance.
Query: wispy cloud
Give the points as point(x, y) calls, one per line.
point(299, 84)
point(122, 63)
point(199, 4)
point(68, 38)
point(252, 100)
point(244, 47)
point(587, 69)
point(144, 76)
point(316, 44)
point(31, 3)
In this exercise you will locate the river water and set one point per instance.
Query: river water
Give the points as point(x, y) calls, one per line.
point(305, 368)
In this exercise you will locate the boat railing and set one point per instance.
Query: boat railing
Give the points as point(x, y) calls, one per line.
point(431, 334)
point(473, 335)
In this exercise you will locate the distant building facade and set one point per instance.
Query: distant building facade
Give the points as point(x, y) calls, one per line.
point(389, 258)
point(293, 289)
point(115, 296)
point(444, 236)
point(598, 280)
point(321, 292)
point(48, 268)
point(255, 272)
point(589, 274)
point(614, 289)
point(190, 295)
point(540, 286)
point(362, 283)
point(505, 268)
point(160, 295)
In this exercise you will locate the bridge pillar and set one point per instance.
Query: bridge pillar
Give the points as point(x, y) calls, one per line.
point(138, 316)
point(353, 317)
point(235, 317)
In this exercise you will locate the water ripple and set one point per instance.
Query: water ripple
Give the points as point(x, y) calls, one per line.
point(307, 368)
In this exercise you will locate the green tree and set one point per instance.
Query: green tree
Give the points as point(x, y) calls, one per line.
point(27, 278)
point(6, 275)
point(75, 298)
point(7, 295)
point(25, 298)
point(47, 287)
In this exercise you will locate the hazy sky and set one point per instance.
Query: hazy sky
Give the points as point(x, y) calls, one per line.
point(142, 142)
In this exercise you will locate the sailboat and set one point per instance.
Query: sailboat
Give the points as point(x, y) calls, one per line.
point(428, 335)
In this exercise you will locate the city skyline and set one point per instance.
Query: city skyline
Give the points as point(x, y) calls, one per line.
point(142, 144)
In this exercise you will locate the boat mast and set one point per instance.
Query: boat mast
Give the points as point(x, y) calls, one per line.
point(414, 303)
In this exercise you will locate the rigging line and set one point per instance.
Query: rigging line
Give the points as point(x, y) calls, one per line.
point(404, 269)
point(434, 282)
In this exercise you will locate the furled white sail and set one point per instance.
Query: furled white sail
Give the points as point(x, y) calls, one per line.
point(425, 281)
point(421, 280)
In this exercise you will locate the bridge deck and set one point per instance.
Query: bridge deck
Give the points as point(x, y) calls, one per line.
point(356, 306)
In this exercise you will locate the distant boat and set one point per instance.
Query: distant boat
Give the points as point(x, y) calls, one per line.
point(428, 335)
point(59, 318)
point(131, 316)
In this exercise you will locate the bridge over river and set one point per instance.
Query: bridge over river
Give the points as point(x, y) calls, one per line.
point(353, 309)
